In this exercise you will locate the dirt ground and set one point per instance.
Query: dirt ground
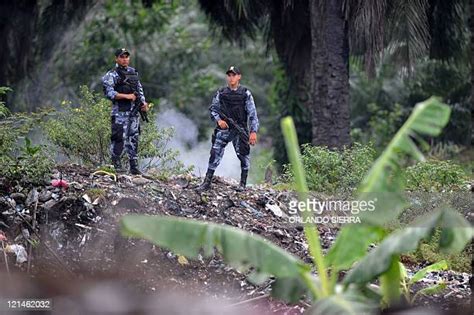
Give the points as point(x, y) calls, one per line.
point(80, 250)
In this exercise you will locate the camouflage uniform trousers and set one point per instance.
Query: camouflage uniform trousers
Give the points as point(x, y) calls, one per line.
point(121, 138)
point(220, 139)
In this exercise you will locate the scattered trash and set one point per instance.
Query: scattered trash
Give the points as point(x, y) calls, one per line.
point(275, 209)
point(32, 197)
point(61, 183)
point(79, 228)
point(20, 252)
point(87, 198)
point(182, 260)
point(100, 172)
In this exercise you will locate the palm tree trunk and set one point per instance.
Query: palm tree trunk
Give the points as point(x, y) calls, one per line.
point(16, 36)
point(471, 28)
point(330, 74)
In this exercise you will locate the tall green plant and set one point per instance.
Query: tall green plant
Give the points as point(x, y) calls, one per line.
point(354, 294)
point(20, 160)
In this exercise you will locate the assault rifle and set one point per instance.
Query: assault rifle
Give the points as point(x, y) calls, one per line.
point(132, 82)
point(131, 79)
point(242, 132)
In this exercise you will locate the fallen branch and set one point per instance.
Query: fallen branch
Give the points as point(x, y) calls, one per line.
point(30, 249)
point(100, 172)
point(89, 227)
point(6, 258)
point(249, 300)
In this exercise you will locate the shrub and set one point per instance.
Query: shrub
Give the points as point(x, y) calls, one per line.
point(382, 125)
point(25, 164)
point(20, 160)
point(83, 132)
point(435, 176)
point(331, 171)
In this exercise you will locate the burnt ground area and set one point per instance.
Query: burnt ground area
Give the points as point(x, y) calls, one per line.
point(77, 247)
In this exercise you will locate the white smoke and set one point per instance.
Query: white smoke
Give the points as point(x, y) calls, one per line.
point(192, 152)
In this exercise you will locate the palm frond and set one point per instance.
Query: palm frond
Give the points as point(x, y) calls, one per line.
point(409, 30)
point(236, 19)
point(366, 29)
point(291, 34)
point(448, 29)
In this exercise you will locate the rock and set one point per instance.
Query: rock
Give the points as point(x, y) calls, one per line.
point(32, 198)
point(77, 186)
point(129, 203)
point(188, 211)
point(49, 204)
point(4, 204)
point(252, 209)
point(18, 197)
point(172, 206)
point(140, 180)
point(45, 195)
point(12, 203)
point(182, 182)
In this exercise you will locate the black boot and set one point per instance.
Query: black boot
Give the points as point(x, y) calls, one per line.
point(134, 168)
point(206, 184)
point(243, 180)
point(117, 165)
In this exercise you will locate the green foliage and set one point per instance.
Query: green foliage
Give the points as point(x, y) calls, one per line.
point(4, 112)
point(407, 282)
point(242, 249)
point(351, 302)
point(20, 160)
point(428, 118)
point(444, 151)
point(284, 102)
point(27, 164)
point(372, 99)
point(452, 83)
point(116, 24)
point(435, 176)
point(155, 152)
point(238, 248)
point(179, 60)
point(82, 132)
point(428, 251)
point(382, 125)
point(334, 171)
point(263, 166)
point(375, 263)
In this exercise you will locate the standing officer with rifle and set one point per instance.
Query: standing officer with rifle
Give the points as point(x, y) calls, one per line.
point(233, 109)
point(123, 88)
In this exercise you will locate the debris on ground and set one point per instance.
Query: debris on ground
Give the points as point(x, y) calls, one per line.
point(71, 225)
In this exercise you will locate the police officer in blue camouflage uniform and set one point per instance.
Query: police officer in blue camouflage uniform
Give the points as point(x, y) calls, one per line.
point(233, 110)
point(125, 127)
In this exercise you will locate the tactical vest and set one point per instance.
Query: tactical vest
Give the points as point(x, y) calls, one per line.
point(233, 104)
point(124, 88)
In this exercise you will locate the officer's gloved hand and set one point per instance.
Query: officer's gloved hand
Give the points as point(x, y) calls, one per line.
point(144, 107)
point(253, 138)
point(222, 124)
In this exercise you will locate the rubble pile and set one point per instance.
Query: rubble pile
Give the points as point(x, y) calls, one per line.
point(69, 225)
